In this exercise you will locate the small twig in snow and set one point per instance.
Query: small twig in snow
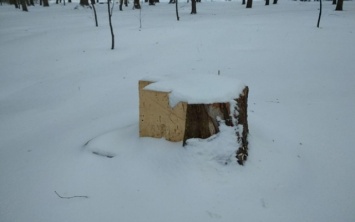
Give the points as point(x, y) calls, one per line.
point(69, 197)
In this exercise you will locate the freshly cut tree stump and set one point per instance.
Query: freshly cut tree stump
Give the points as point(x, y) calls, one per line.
point(165, 110)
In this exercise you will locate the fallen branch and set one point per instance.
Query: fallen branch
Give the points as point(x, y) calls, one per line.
point(70, 196)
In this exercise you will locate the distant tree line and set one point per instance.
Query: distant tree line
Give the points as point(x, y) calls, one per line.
point(249, 3)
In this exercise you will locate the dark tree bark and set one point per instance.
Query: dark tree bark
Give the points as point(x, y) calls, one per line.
point(93, 7)
point(267, 2)
point(15, 3)
point(110, 9)
point(202, 122)
point(177, 10)
point(121, 4)
point(45, 3)
point(151, 2)
point(320, 12)
point(339, 6)
point(334, 2)
point(32, 3)
point(193, 7)
point(249, 3)
point(243, 2)
point(275, 2)
point(136, 4)
point(242, 119)
point(24, 6)
point(198, 123)
point(84, 2)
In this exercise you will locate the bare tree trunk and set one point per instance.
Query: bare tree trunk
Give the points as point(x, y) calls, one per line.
point(267, 2)
point(109, 19)
point(193, 7)
point(136, 4)
point(45, 3)
point(93, 7)
point(320, 12)
point(243, 2)
point(249, 3)
point(334, 2)
point(177, 10)
point(15, 3)
point(84, 2)
point(24, 6)
point(275, 2)
point(339, 5)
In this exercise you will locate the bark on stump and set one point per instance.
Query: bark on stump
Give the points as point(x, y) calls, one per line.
point(184, 121)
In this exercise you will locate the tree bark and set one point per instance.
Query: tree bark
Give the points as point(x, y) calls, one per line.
point(24, 6)
point(177, 10)
point(249, 3)
point(267, 2)
point(193, 7)
point(243, 2)
point(84, 2)
point(320, 12)
point(45, 3)
point(241, 116)
point(136, 4)
point(339, 6)
point(199, 123)
point(93, 7)
point(334, 2)
point(110, 22)
point(275, 2)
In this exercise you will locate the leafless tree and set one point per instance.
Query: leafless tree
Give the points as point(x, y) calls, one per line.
point(249, 3)
point(110, 10)
point(339, 6)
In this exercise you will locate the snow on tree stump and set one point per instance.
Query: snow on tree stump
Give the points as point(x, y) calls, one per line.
point(184, 108)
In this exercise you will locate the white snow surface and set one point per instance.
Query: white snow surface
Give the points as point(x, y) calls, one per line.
point(65, 95)
point(197, 89)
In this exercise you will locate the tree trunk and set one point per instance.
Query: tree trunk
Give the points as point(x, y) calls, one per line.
point(243, 2)
point(339, 5)
point(109, 19)
point(93, 7)
point(45, 3)
point(193, 7)
point(275, 2)
point(177, 10)
point(84, 2)
point(267, 2)
point(24, 6)
point(151, 2)
point(32, 3)
point(334, 2)
point(15, 3)
point(249, 3)
point(136, 4)
point(320, 12)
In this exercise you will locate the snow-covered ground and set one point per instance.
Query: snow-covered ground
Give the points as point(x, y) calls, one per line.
point(65, 94)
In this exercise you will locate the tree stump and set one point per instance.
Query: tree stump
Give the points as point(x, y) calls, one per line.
point(185, 120)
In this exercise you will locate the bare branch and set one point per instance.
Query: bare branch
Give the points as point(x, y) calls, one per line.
point(70, 196)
